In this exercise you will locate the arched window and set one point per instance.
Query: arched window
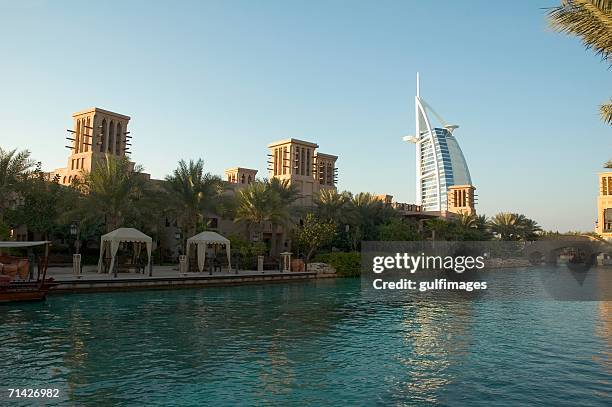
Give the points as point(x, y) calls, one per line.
point(102, 135)
point(284, 155)
point(87, 140)
point(250, 179)
point(118, 138)
point(276, 161)
point(64, 181)
point(242, 179)
point(111, 137)
point(77, 136)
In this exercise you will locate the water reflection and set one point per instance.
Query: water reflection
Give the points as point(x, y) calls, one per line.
point(323, 342)
point(604, 331)
point(78, 329)
point(436, 335)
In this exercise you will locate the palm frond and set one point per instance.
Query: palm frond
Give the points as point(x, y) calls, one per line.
point(590, 20)
point(605, 111)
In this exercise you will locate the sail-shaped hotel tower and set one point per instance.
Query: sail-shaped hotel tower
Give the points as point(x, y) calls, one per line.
point(443, 181)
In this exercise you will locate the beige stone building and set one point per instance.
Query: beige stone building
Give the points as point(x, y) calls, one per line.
point(240, 176)
point(386, 199)
point(302, 165)
point(461, 199)
point(95, 134)
point(604, 205)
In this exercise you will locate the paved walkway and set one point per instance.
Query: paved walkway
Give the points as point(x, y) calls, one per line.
point(166, 272)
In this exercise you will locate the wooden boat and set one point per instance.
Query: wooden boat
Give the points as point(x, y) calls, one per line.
point(14, 291)
point(27, 289)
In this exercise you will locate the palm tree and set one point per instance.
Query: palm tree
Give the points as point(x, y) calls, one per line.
point(514, 226)
point(266, 201)
point(192, 193)
point(505, 225)
point(154, 209)
point(15, 167)
point(482, 222)
point(263, 202)
point(605, 111)
point(467, 220)
point(468, 227)
point(254, 206)
point(286, 191)
point(529, 229)
point(282, 212)
point(111, 190)
point(332, 205)
point(438, 228)
point(591, 21)
point(363, 214)
point(364, 200)
point(41, 204)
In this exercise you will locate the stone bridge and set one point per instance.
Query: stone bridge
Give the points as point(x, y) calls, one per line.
point(586, 248)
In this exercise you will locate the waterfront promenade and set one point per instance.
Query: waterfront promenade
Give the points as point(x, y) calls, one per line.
point(164, 277)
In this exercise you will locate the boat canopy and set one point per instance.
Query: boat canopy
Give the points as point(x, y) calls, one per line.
point(7, 244)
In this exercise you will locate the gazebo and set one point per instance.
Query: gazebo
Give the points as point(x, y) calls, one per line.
point(202, 240)
point(109, 243)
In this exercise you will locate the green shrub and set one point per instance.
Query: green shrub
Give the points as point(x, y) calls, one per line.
point(346, 264)
point(4, 231)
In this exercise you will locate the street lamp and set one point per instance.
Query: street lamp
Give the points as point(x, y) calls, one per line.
point(347, 231)
point(77, 265)
point(179, 245)
point(74, 232)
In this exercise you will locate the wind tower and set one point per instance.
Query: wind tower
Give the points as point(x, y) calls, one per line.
point(95, 135)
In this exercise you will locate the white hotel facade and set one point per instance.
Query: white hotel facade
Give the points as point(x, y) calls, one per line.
point(443, 181)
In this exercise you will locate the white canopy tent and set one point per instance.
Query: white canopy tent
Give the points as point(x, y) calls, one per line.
point(202, 240)
point(110, 242)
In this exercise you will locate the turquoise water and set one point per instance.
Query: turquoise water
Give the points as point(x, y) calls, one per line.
point(316, 343)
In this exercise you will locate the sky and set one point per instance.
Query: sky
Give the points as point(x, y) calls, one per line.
point(219, 80)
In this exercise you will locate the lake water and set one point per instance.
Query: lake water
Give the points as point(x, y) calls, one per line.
point(319, 343)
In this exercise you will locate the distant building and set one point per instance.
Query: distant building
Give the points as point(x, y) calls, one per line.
point(461, 199)
point(298, 162)
point(96, 134)
point(440, 163)
point(406, 210)
point(240, 176)
point(604, 205)
point(387, 200)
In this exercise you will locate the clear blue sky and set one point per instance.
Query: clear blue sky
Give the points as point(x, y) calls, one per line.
point(219, 80)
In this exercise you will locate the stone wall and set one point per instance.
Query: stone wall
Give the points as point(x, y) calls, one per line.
point(321, 268)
